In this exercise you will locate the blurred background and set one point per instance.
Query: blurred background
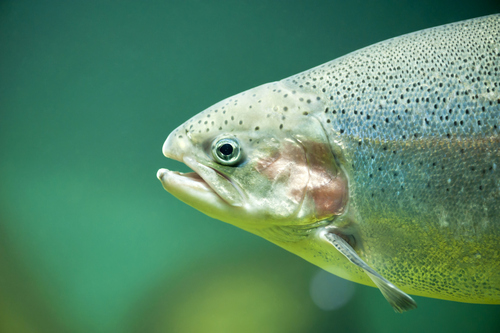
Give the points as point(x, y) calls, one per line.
point(90, 241)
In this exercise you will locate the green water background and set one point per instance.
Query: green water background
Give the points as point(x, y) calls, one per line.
point(90, 241)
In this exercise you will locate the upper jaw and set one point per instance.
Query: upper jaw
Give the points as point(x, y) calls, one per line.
point(207, 179)
point(217, 181)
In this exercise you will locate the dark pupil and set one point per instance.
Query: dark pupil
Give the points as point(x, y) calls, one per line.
point(226, 149)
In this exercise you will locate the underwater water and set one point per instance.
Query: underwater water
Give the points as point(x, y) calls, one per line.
point(89, 239)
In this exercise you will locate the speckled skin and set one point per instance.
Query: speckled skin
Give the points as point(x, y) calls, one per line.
point(416, 119)
point(411, 125)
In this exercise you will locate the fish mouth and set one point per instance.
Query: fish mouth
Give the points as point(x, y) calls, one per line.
point(176, 182)
point(205, 183)
point(206, 189)
point(191, 178)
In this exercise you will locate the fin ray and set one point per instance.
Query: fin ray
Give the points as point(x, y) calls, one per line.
point(399, 300)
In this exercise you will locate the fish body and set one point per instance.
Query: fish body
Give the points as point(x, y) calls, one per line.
point(382, 165)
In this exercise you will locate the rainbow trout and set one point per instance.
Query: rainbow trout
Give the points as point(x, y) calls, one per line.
point(381, 166)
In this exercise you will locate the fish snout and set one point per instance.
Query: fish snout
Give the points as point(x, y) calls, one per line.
point(176, 145)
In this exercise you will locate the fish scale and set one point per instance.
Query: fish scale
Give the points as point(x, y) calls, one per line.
point(381, 166)
point(402, 109)
point(413, 94)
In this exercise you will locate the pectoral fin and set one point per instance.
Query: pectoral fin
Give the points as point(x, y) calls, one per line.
point(399, 300)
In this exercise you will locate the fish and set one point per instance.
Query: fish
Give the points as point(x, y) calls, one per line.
point(381, 166)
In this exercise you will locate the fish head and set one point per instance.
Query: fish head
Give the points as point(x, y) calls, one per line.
point(260, 159)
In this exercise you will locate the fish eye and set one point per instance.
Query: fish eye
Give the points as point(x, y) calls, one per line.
point(226, 150)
